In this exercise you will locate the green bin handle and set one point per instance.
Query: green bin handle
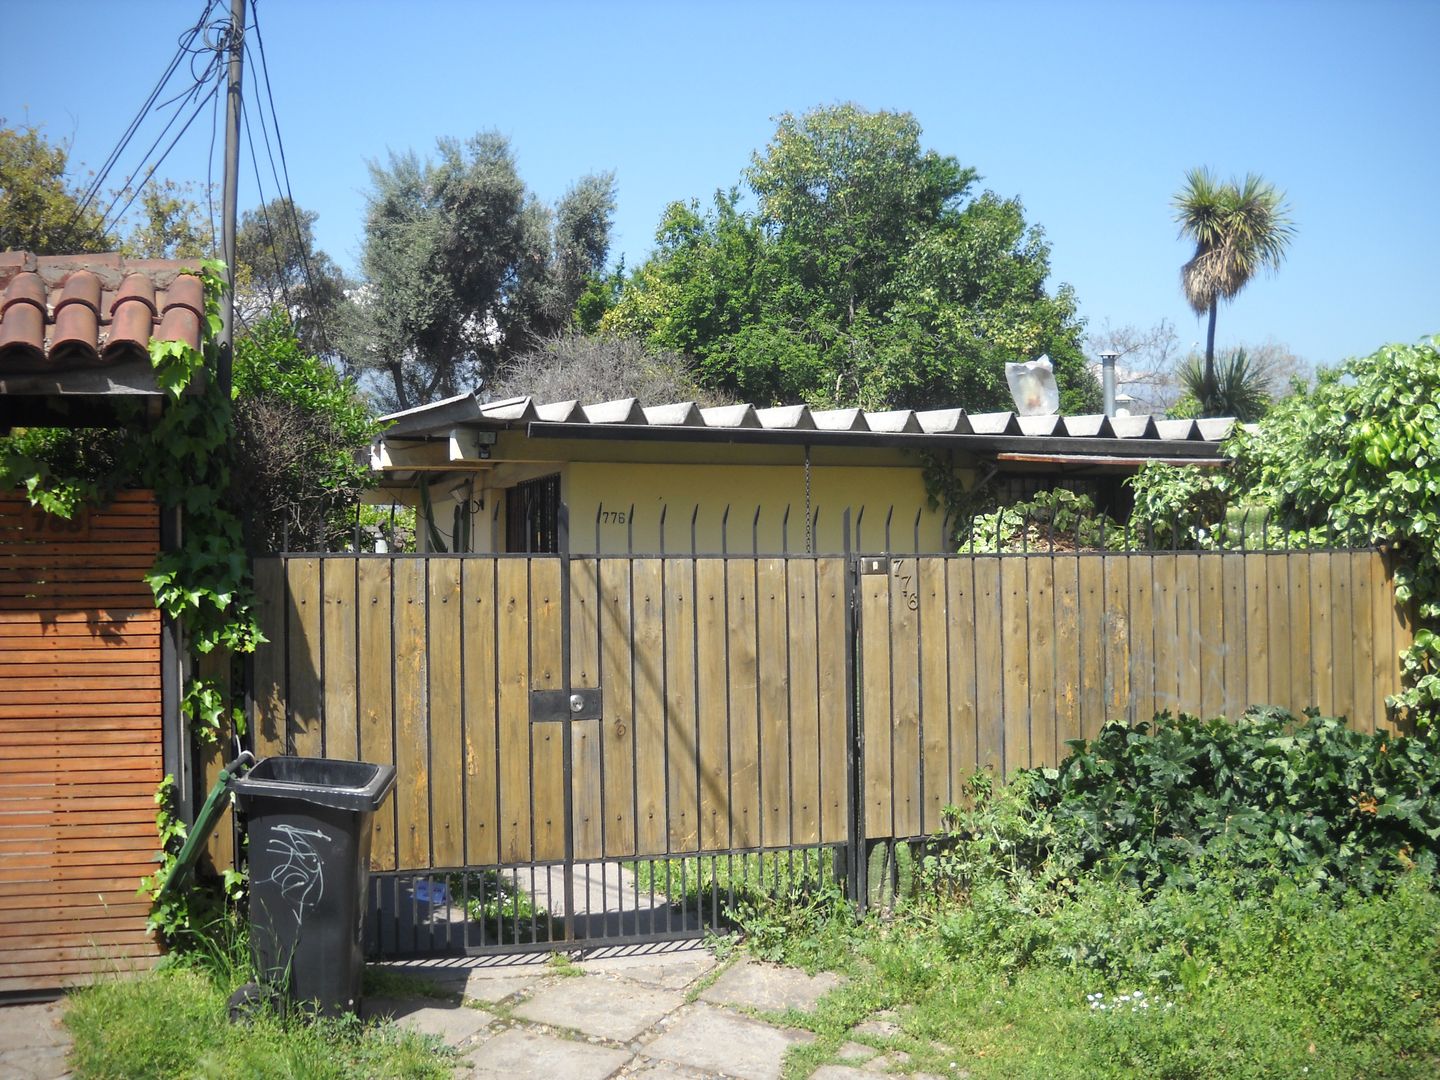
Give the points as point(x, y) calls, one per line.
point(205, 822)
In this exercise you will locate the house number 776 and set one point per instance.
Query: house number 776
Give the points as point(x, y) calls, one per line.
point(910, 596)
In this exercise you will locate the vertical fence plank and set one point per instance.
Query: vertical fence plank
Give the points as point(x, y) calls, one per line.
point(548, 780)
point(1232, 572)
point(1384, 653)
point(744, 749)
point(802, 582)
point(1362, 713)
point(617, 734)
point(1091, 633)
point(1067, 652)
point(712, 704)
point(1257, 630)
point(1208, 614)
point(834, 783)
point(586, 806)
point(512, 679)
point(905, 697)
point(1015, 659)
point(649, 602)
point(680, 731)
point(374, 588)
point(960, 647)
point(990, 749)
point(1040, 616)
point(339, 694)
point(937, 751)
point(444, 614)
point(1301, 629)
point(774, 701)
point(302, 651)
point(1142, 637)
point(1322, 615)
point(412, 716)
point(1280, 633)
point(875, 702)
point(267, 720)
point(1116, 621)
point(1192, 635)
point(1165, 613)
point(1343, 630)
point(481, 761)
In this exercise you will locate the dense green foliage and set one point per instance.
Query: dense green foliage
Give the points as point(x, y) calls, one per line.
point(462, 267)
point(870, 274)
point(39, 209)
point(279, 269)
point(1240, 389)
point(301, 433)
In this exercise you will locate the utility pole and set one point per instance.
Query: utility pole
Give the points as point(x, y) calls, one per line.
point(232, 182)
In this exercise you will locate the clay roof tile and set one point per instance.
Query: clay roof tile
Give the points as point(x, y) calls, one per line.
point(22, 322)
point(77, 320)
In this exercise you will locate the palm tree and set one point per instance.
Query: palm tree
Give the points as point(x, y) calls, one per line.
point(1238, 229)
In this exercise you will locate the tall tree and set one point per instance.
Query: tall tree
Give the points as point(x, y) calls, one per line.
point(40, 210)
point(280, 268)
point(1239, 228)
point(870, 275)
point(463, 266)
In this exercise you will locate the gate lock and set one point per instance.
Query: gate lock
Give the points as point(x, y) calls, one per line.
point(552, 706)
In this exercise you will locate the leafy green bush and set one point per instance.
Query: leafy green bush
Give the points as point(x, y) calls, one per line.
point(1309, 799)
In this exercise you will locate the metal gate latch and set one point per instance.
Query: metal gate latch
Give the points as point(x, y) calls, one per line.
point(551, 706)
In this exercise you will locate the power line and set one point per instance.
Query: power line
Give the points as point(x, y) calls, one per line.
point(184, 47)
point(265, 211)
point(285, 167)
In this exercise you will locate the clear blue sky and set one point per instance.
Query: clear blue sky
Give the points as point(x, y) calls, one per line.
point(1089, 112)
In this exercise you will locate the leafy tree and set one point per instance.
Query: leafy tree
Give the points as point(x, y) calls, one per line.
point(300, 436)
point(280, 268)
point(39, 208)
point(1239, 228)
point(171, 224)
point(869, 274)
point(463, 267)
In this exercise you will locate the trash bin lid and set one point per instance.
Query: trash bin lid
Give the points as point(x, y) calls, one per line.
point(341, 785)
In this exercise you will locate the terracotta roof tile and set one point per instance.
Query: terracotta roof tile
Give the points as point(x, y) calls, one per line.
point(61, 312)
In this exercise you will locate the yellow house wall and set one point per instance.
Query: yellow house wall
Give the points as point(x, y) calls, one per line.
point(627, 501)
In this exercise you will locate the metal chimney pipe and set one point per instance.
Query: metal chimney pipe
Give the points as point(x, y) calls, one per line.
point(1107, 379)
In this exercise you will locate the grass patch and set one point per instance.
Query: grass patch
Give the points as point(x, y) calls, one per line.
point(173, 1022)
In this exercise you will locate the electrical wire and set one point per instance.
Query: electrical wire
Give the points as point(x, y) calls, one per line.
point(300, 242)
point(185, 44)
point(264, 210)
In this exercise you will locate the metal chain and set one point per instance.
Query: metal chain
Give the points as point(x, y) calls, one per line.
point(809, 540)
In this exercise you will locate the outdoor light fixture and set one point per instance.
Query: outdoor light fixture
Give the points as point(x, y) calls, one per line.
point(1032, 385)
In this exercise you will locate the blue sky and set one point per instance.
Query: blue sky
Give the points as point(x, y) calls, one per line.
point(1089, 112)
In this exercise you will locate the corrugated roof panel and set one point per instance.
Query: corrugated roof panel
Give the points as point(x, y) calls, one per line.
point(897, 420)
point(1040, 426)
point(839, 419)
point(1133, 427)
point(677, 414)
point(789, 417)
point(620, 411)
point(995, 423)
point(943, 422)
point(1215, 429)
point(560, 412)
point(518, 408)
point(1176, 430)
point(730, 416)
point(1087, 427)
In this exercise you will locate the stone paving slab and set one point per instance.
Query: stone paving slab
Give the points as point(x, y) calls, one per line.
point(491, 985)
point(668, 971)
point(717, 1041)
point(520, 1053)
point(456, 1025)
point(595, 1005)
point(770, 988)
point(33, 1042)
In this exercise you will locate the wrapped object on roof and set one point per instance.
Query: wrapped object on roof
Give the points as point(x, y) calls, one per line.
point(1032, 385)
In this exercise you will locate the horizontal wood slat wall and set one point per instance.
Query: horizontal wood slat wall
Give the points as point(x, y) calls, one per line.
point(80, 741)
point(980, 660)
point(722, 681)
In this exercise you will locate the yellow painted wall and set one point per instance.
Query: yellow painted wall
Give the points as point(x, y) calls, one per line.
point(628, 499)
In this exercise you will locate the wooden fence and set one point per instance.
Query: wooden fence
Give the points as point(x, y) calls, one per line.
point(737, 692)
point(80, 741)
point(998, 661)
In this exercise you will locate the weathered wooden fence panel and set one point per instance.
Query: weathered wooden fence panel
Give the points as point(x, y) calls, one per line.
point(985, 659)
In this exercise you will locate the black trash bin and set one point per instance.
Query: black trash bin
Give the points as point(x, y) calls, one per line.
point(309, 850)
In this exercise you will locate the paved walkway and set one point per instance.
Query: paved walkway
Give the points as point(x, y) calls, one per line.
point(664, 1014)
point(659, 1015)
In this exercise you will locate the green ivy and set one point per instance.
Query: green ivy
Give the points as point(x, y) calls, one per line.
point(184, 916)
